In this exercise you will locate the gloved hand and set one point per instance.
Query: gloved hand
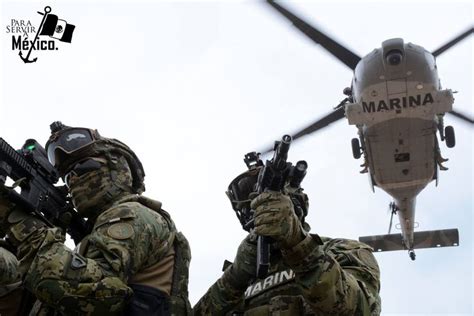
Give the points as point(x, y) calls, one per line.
point(15, 221)
point(275, 217)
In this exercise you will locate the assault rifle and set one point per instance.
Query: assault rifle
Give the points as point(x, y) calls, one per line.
point(274, 176)
point(30, 169)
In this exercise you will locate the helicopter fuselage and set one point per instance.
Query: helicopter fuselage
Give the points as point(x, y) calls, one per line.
point(397, 106)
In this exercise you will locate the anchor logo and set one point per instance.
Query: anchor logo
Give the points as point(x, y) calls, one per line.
point(50, 26)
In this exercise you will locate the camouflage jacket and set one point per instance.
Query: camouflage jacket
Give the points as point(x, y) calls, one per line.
point(133, 241)
point(320, 276)
point(9, 271)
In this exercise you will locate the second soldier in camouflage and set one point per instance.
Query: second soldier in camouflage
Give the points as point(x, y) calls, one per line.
point(308, 274)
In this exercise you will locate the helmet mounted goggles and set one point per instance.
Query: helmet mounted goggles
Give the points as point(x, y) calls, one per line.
point(69, 146)
point(65, 143)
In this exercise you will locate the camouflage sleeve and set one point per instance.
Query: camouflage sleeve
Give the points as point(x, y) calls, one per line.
point(141, 238)
point(9, 272)
point(222, 296)
point(228, 292)
point(122, 241)
point(340, 277)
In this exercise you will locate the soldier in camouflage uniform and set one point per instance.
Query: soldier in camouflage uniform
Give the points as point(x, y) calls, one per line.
point(308, 274)
point(132, 262)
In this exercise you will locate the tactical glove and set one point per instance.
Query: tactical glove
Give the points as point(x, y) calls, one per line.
point(15, 221)
point(275, 217)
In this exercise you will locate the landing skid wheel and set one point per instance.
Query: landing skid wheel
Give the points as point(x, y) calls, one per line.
point(449, 136)
point(356, 149)
point(412, 254)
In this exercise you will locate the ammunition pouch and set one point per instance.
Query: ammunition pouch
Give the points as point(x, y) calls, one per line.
point(178, 299)
point(147, 301)
point(179, 302)
point(179, 290)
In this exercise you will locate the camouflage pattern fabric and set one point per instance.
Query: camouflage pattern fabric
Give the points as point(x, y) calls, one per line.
point(180, 305)
point(276, 218)
point(319, 276)
point(92, 192)
point(130, 234)
point(6, 207)
point(126, 237)
point(12, 294)
point(9, 272)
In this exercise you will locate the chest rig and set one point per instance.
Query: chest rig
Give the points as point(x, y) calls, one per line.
point(152, 296)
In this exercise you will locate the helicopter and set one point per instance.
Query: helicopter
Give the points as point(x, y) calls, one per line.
point(397, 104)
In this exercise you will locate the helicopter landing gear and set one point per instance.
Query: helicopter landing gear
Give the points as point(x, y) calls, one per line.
point(412, 254)
point(449, 136)
point(366, 167)
point(446, 133)
point(439, 159)
point(356, 150)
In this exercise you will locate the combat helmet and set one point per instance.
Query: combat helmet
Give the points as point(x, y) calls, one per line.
point(69, 145)
point(240, 192)
point(243, 189)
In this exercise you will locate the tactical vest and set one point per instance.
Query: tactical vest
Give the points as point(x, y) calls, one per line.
point(162, 288)
point(279, 294)
point(178, 303)
point(276, 295)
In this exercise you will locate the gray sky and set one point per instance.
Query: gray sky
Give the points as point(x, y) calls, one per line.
point(193, 86)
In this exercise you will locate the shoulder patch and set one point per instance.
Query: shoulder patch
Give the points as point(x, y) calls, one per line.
point(120, 231)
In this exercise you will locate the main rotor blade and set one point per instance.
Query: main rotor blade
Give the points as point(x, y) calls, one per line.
point(336, 49)
point(453, 42)
point(462, 116)
point(319, 124)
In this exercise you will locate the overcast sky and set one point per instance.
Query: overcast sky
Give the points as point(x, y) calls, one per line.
point(193, 86)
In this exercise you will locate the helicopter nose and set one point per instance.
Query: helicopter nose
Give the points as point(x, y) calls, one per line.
point(394, 57)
